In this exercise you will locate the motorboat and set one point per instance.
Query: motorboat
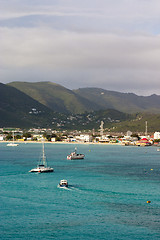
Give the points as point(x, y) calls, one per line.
point(74, 155)
point(42, 166)
point(63, 183)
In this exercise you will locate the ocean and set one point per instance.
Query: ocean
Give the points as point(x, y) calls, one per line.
point(106, 199)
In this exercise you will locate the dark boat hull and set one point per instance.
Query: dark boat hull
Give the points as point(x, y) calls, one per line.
point(75, 157)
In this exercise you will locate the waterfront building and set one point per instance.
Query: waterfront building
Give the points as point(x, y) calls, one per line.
point(157, 135)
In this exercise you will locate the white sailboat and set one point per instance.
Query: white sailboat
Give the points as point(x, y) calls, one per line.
point(12, 144)
point(42, 166)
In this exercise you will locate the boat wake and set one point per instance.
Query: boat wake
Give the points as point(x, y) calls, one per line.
point(75, 188)
point(70, 188)
point(65, 188)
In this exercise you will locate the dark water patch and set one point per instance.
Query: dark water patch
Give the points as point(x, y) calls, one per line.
point(142, 215)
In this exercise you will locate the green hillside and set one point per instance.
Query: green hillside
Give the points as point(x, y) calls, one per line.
point(32, 105)
point(92, 120)
point(19, 110)
point(137, 123)
point(55, 97)
point(114, 121)
point(61, 99)
point(124, 102)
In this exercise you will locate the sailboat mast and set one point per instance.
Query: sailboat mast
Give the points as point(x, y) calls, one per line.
point(13, 136)
point(43, 156)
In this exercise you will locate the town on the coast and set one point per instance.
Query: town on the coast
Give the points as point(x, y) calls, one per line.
point(75, 136)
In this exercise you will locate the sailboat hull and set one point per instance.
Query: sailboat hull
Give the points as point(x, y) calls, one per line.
point(42, 170)
point(12, 144)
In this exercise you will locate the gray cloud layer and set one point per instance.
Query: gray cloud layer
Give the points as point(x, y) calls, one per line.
point(107, 44)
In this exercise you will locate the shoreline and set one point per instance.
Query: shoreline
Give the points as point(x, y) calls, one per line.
point(76, 143)
point(96, 143)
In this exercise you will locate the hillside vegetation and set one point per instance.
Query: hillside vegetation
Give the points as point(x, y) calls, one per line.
point(25, 104)
point(124, 102)
point(61, 99)
point(55, 97)
point(137, 123)
point(19, 110)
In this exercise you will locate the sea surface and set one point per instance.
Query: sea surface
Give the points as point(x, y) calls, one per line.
point(106, 199)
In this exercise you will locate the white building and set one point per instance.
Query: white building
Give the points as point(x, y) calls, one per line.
point(84, 138)
point(1, 138)
point(157, 135)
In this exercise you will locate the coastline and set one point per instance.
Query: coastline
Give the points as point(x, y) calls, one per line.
point(61, 142)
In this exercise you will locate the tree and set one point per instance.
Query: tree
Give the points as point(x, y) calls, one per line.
point(9, 136)
point(135, 135)
point(27, 135)
point(18, 136)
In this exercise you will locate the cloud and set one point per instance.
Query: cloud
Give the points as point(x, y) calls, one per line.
point(100, 43)
point(95, 15)
point(105, 60)
point(49, 48)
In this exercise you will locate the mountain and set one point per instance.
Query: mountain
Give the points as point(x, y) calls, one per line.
point(124, 102)
point(19, 110)
point(61, 99)
point(55, 97)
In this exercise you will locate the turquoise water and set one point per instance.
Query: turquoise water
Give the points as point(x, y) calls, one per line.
point(107, 197)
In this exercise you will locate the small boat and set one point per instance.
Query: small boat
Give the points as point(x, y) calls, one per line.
point(42, 166)
point(63, 183)
point(74, 155)
point(12, 144)
point(158, 149)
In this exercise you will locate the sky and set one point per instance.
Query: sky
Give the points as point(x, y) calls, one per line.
point(109, 44)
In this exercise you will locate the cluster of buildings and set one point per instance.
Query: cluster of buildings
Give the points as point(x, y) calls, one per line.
point(79, 137)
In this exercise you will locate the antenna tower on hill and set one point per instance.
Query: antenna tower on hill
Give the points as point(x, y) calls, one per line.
point(101, 128)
